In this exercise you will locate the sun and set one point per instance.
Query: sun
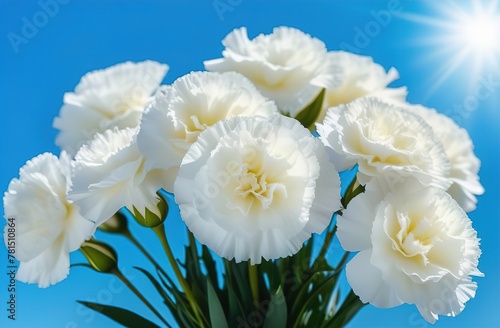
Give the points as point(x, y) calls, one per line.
point(464, 35)
point(480, 34)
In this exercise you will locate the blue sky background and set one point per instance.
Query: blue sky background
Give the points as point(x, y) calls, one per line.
point(83, 36)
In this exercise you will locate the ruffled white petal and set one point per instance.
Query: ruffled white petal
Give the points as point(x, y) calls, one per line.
point(287, 66)
point(361, 77)
point(48, 226)
point(355, 224)
point(330, 133)
point(247, 188)
point(110, 172)
point(194, 102)
point(326, 191)
point(112, 97)
point(464, 165)
point(446, 297)
point(49, 268)
point(367, 282)
point(384, 140)
point(423, 250)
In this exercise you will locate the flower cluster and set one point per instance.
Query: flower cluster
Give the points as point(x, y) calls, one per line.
point(417, 244)
point(251, 181)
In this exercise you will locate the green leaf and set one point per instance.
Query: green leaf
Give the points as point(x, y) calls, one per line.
point(301, 297)
point(217, 317)
point(237, 275)
point(276, 316)
point(156, 284)
point(209, 263)
point(323, 288)
point(101, 256)
point(349, 308)
point(334, 304)
point(122, 316)
point(194, 277)
point(191, 261)
point(310, 113)
point(235, 308)
point(270, 269)
point(180, 308)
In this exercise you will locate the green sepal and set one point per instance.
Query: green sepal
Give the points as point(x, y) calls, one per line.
point(150, 219)
point(352, 191)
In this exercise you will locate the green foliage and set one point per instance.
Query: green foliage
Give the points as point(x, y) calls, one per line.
point(276, 317)
point(308, 116)
point(297, 291)
point(122, 316)
point(217, 316)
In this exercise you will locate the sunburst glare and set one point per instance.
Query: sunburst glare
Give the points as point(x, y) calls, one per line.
point(465, 34)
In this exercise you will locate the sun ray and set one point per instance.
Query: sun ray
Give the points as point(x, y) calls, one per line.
point(465, 34)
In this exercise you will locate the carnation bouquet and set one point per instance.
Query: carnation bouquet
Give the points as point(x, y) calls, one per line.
point(249, 153)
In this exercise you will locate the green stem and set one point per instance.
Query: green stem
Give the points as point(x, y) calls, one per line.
point(160, 232)
point(352, 191)
point(191, 239)
point(254, 282)
point(124, 279)
point(342, 261)
point(328, 241)
point(137, 244)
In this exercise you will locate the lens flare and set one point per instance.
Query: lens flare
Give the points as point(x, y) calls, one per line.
point(481, 34)
point(465, 34)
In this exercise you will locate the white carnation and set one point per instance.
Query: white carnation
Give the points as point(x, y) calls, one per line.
point(361, 77)
point(48, 226)
point(253, 188)
point(194, 102)
point(385, 141)
point(110, 172)
point(107, 98)
point(464, 165)
point(287, 66)
point(416, 246)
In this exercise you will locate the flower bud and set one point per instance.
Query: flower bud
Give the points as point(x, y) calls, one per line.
point(101, 256)
point(115, 224)
point(152, 219)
